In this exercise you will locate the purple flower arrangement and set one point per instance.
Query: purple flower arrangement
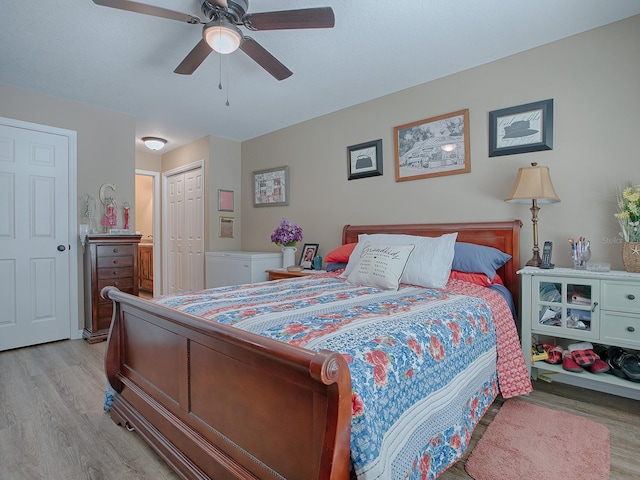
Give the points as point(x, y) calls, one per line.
point(286, 234)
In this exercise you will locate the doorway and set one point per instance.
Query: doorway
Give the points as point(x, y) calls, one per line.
point(147, 222)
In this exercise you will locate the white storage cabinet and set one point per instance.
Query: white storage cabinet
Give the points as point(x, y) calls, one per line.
point(566, 306)
point(236, 268)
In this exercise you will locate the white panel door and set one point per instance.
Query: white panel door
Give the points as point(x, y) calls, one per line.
point(184, 200)
point(34, 237)
point(194, 213)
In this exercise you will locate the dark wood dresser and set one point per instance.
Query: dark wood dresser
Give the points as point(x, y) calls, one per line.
point(145, 267)
point(108, 260)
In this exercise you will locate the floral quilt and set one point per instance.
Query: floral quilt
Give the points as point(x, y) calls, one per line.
point(425, 363)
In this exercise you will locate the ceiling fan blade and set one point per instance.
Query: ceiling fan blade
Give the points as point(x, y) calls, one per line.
point(194, 58)
point(321, 17)
point(263, 58)
point(148, 10)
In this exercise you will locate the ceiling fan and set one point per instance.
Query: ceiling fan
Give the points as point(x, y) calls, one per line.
point(221, 33)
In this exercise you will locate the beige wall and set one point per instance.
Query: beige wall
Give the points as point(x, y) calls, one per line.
point(144, 206)
point(593, 79)
point(105, 148)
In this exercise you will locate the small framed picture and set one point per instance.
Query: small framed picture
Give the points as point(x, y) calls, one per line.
point(226, 227)
point(521, 129)
point(365, 160)
point(271, 187)
point(308, 253)
point(225, 200)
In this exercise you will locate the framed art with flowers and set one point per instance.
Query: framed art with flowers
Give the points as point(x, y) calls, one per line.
point(271, 187)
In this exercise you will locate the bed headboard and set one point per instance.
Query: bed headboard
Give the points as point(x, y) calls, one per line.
point(504, 236)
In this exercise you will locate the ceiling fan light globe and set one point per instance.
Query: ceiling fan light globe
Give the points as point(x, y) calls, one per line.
point(223, 38)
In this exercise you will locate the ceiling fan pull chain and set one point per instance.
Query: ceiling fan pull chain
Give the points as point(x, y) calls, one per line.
point(227, 61)
point(220, 74)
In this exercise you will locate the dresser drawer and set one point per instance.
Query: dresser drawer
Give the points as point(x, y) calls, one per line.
point(620, 329)
point(115, 261)
point(115, 272)
point(121, 283)
point(621, 296)
point(114, 250)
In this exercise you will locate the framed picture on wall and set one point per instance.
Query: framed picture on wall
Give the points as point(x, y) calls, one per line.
point(521, 129)
point(225, 229)
point(271, 187)
point(433, 147)
point(365, 160)
point(225, 200)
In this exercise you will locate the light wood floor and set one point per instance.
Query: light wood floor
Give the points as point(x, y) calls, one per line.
point(52, 425)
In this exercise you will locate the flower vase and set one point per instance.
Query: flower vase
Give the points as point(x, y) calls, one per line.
point(288, 256)
point(631, 256)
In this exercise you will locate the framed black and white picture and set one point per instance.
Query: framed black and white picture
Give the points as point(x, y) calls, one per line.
point(433, 147)
point(365, 160)
point(521, 129)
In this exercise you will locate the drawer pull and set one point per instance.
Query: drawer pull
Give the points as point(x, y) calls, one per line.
point(115, 262)
point(115, 250)
point(631, 329)
point(595, 304)
point(631, 297)
point(115, 272)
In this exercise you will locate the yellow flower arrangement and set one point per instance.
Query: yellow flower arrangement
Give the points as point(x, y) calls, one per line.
point(629, 213)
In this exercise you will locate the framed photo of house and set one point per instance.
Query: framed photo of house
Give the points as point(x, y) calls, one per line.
point(521, 129)
point(226, 227)
point(307, 254)
point(433, 147)
point(225, 200)
point(271, 187)
point(365, 160)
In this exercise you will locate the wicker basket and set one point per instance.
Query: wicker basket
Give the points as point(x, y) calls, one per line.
point(631, 256)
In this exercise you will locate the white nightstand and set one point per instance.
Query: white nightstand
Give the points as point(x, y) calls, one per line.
point(598, 307)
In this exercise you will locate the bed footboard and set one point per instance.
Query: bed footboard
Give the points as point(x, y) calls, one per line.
point(218, 402)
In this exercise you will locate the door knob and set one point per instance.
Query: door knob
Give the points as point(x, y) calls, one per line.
point(61, 248)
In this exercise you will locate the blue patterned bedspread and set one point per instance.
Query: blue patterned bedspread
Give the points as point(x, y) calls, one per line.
point(422, 361)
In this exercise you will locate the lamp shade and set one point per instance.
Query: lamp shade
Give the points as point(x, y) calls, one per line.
point(154, 143)
point(532, 183)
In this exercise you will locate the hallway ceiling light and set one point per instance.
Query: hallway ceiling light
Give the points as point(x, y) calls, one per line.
point(154, 143)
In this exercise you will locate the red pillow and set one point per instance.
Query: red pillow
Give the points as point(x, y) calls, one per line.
point(477, 278)
point(340, 254)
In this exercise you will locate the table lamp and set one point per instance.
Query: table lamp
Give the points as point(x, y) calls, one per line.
point(533, 184)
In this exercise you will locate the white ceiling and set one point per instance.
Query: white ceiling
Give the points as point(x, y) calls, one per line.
point(123, 61)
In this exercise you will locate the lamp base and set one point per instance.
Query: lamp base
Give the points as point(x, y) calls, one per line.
point(535, 261)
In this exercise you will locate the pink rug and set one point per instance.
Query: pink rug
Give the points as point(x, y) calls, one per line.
point(532, 442)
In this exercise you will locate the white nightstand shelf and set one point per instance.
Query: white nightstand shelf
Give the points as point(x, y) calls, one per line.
point(566, 306)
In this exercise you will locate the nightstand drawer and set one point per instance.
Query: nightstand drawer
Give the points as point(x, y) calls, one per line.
point(621, 296)
point(620, 329)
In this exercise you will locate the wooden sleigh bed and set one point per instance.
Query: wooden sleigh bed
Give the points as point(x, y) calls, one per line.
point(180, 382)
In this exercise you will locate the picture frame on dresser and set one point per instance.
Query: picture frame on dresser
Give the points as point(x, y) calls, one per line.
point(308, 253)
point(521, 129)
point(225, 200)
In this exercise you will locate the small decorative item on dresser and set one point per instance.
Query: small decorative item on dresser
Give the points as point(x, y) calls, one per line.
point(629, 218)
point(287, 235)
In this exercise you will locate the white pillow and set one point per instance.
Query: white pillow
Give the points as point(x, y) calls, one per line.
point(430, 262)
point(380, 265)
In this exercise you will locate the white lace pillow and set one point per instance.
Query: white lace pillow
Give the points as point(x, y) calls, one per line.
point(430, 262)
point(380, 265)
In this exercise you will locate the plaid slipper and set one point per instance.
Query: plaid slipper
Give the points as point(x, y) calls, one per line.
point(582, 353)
point(569, 364)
